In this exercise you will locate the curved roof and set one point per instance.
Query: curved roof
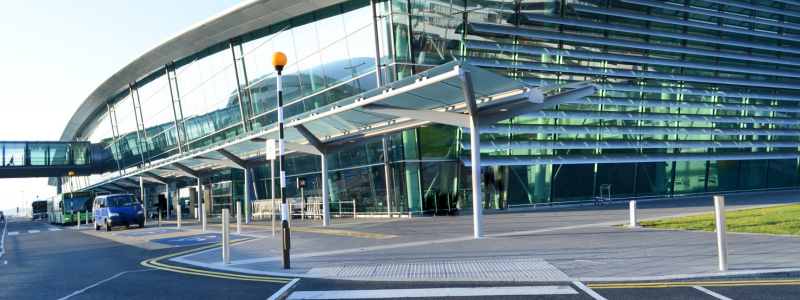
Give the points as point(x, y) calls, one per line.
point(240, 19)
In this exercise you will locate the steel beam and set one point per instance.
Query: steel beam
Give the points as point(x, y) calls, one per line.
point(221, 162)
point(419, 114)
point(518, 110)
point(238, 161)
point(187, 170)
point(154, 177)
point(311, 138)
point(310, 149)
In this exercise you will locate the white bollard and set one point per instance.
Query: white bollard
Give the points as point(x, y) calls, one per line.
point(204, 216)
point(633, 214)
point(226, 237)
point(159, 218)
point(179, 216)
point(722, 234)
point(79, 220)
point(238, 217)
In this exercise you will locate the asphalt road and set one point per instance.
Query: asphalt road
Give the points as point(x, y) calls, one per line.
point(68, 264)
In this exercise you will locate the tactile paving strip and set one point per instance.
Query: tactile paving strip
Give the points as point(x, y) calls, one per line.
point(526, 268)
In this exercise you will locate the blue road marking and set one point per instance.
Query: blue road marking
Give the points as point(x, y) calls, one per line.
point(149, 232)
point(189, 240)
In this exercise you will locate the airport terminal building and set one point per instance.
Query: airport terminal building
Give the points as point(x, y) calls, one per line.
point(684, 97)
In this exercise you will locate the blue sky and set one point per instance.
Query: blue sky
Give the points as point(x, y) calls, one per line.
point(55, 53)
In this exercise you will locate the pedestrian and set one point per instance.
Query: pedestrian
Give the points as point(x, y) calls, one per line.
point(2, 217)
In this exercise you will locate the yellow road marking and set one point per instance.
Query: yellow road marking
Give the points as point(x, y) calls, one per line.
point(691, 284)
point(153, 263)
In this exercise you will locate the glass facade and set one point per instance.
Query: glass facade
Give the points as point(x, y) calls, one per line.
point(695, 76)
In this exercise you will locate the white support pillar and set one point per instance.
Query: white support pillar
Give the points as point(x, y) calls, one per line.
point(201, 214)
point(144, 199)
point(475, 151)
point(477, 192)
point(326, 207)
point(248, 193)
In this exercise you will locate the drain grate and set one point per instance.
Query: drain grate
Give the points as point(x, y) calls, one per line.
point(526, 268)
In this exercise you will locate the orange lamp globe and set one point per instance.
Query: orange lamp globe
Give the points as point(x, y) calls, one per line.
point(278, 60)
point(71, 173)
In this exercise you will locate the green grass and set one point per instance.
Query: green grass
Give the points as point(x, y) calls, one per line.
point(772, 220)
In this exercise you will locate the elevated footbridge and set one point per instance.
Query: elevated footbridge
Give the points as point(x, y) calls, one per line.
point(23, 159)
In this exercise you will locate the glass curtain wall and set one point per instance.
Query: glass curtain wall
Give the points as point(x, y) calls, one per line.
point(675, 78)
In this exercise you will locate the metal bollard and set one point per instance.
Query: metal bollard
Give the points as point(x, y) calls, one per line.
point(179, 216)
point(204, 216)
point(79, 220)
point(722, 234)
point(226, 237)
point(159, 218)
point(238, 217)
point(633, 214)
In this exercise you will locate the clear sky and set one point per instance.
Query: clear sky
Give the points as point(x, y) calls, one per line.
point(55, 53)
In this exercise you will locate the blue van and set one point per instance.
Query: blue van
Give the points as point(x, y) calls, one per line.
point(117, 210)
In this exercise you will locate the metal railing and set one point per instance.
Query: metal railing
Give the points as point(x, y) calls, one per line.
point(308, 207)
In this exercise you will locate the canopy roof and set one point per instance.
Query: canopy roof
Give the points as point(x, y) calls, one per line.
point(436, 96)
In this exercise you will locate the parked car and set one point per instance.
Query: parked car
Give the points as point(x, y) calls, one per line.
point(117, 210)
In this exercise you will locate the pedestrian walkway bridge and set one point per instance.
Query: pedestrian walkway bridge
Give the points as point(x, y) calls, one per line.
point(49, 159)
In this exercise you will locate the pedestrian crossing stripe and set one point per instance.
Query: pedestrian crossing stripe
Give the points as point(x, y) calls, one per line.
point(33, 231)
point(13, 233)
point(54, 229)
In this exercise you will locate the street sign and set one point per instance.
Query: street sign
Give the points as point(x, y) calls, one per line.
point(270, 149)
point(301, 183)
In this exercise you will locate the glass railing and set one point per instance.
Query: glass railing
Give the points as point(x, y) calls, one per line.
point(16, 154)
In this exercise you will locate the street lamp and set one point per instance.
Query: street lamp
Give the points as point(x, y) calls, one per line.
point(71, 188)
point(279, 61)
point(22, 202)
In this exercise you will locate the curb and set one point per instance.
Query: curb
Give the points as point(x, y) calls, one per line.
point(729, 274)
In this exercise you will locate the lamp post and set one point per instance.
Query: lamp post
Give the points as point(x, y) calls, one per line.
point(71, 188)
point(279, 61)
point(22, 202)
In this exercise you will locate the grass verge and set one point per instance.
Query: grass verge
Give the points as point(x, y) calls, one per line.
point(772, 220)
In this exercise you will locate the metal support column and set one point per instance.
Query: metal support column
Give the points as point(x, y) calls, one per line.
point(174, 111)
point(144, 199)
point(168, 196)
point(326, 206)
point(377, 44)
point(238, 89)
point(475, 151)
point(200, 202)
point(248, 193)
point(387, 179)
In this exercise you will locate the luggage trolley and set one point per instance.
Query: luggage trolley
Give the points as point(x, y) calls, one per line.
point(602, 200)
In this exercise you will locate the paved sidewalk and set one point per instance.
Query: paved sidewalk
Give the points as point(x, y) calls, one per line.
point(576, 243)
